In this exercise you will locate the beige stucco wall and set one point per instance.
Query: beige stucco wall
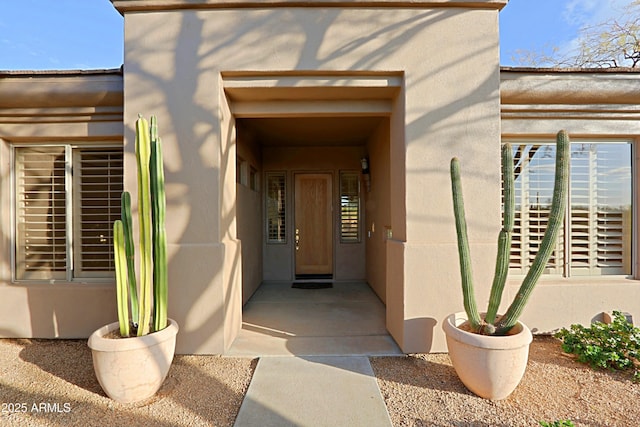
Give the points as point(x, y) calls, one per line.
point(589, 105)
point(378, 210)
point(449, 60)
point(42, 107)
point(249, 214)
point(439, 103)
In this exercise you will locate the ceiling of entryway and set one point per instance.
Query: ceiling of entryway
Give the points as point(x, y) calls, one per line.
point(316, 131)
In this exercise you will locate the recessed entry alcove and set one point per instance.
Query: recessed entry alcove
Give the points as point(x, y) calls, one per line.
point(313, 156)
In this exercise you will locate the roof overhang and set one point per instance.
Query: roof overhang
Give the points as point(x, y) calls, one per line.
point(124, 6)
point(588, 103)
point(569, 86)
point(43, 89)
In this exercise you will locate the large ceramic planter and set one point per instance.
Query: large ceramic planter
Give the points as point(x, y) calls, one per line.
point(132, 369)
point(489, 366)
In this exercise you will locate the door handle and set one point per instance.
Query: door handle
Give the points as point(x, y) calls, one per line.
point(297, 239)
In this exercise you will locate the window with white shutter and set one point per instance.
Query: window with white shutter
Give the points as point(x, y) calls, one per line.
point(67, 198)
point(41, 234)
point(97, 187)
point(349, 207)
point(276, 207)
point(596, 237)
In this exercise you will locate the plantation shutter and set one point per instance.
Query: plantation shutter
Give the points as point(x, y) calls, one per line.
point(601, 209)
point(349, 207)
point(276, 208)
point(97, 189)
point(41, 237)
point(534, 171)
point(597, 233)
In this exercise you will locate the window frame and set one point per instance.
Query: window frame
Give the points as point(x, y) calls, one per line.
point(285, 203)
point(69, 148)
point(566, 273)
point(353, 174)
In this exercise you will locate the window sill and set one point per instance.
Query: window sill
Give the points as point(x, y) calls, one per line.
point(60, 284)
point(581, 281)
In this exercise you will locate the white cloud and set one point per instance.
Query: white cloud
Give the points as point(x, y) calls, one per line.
point(586, 13)
point(579, 12)
point(590, 12)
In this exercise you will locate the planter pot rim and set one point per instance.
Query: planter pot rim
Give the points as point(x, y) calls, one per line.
point(522, 336)
point(97, 341)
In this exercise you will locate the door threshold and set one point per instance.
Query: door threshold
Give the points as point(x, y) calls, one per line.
point(300, 277)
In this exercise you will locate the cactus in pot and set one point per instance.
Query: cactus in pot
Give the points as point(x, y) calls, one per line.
point(492, 324)
point(142, 360)
point(146, 297)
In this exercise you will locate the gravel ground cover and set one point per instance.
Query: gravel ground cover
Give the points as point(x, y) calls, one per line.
point(51, 383)
point(423, 390)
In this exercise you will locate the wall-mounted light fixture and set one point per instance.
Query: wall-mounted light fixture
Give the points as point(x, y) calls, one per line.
point(366, 173)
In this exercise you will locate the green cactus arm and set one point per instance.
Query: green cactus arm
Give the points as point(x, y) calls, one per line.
point(499, 278)
point(119, 256)
point(130, 253)
point(504, 239)
point(556, 219)
point(144, 214)
point(464, 253)
point(158, 202)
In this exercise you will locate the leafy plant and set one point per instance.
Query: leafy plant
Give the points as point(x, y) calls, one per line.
point(559, 423)
point(146, 297)
point(492, 324)
point(604, 346)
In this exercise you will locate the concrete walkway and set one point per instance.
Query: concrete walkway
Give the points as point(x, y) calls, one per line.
point(313, 391)
point(313, 346)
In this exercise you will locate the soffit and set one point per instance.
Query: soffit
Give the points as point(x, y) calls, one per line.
point(310, 131)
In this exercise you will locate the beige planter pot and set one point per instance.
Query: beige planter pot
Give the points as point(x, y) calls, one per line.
point(489, 366)
point(132, 369)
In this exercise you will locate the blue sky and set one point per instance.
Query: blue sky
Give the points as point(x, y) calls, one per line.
point(543, 24)
point(88, 34)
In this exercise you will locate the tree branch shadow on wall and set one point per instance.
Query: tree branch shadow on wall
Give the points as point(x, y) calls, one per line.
point(196, 136)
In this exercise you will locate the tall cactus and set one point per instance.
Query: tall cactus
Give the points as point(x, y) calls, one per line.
point(143, 155)
point(127, 227)
point(147, 296)
point(463, 247)
point(489, 325)
point(158, 202)
point(122, 290)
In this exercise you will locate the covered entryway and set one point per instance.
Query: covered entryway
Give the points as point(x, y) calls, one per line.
point(313, 208)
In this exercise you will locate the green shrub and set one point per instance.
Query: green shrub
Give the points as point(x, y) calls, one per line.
point(604, 346)
point(560, 423)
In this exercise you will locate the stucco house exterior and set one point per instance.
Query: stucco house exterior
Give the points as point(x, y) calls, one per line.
point(312, 139)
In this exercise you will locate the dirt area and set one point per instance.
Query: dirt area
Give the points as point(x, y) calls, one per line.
point(51, 383)
point(423, 390)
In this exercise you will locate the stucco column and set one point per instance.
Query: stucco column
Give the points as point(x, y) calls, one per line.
point(204, 254)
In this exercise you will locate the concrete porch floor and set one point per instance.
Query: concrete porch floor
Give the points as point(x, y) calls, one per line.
point(346, 320)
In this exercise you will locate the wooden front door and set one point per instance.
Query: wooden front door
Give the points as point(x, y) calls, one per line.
point(313, 224)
